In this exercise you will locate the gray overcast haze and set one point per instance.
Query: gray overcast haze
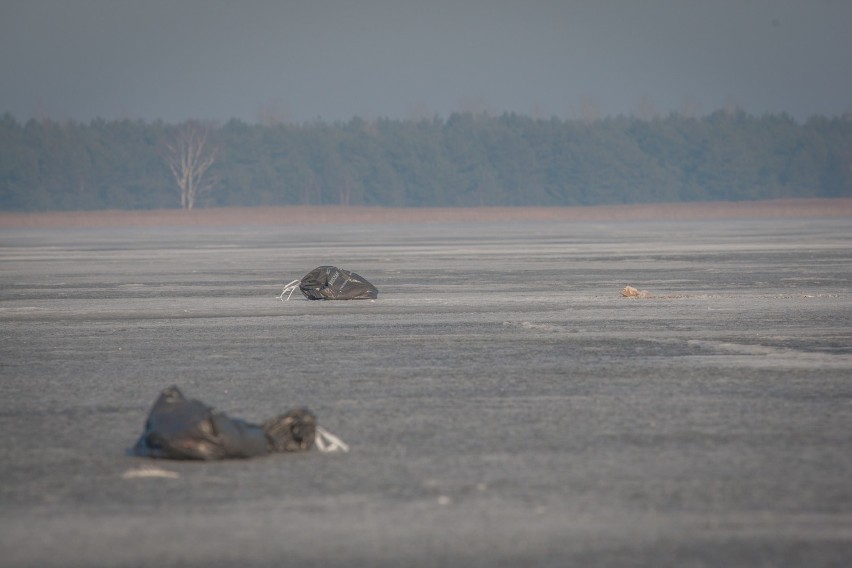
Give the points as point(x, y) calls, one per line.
point(298, 61)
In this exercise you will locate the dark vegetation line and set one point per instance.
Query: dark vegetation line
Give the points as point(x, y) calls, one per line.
point(463, 160)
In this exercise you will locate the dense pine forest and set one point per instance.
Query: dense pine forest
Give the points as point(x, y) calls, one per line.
point(463, 160)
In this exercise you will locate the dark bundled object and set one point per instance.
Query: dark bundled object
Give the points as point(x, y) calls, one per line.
point(332, 283)
point(181, 428)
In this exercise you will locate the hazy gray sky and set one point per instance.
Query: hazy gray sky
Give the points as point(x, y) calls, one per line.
point(301, 60)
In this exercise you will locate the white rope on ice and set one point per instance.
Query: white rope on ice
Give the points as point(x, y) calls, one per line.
point(325, 441)
point(291, 287)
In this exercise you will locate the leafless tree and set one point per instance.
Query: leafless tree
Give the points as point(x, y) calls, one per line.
point(189, 157)
point(646, 109)
point(588, 110)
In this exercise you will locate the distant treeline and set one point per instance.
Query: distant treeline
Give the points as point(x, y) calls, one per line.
point(463, 160)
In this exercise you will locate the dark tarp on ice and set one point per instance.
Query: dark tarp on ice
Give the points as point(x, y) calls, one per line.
point(332, 283)
point(181, 428)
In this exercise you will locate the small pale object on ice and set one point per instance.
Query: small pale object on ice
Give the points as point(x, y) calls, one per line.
point(631, 292)
point(149, 472)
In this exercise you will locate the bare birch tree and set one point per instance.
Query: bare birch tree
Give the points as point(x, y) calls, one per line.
point(189, 157)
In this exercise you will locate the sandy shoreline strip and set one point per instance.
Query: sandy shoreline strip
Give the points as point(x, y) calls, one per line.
point(306, 215)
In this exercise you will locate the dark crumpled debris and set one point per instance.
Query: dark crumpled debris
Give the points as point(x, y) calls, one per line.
point(332, 283)
point(181, 428)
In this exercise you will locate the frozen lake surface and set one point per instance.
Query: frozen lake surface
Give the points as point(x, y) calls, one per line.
point(504, 405)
